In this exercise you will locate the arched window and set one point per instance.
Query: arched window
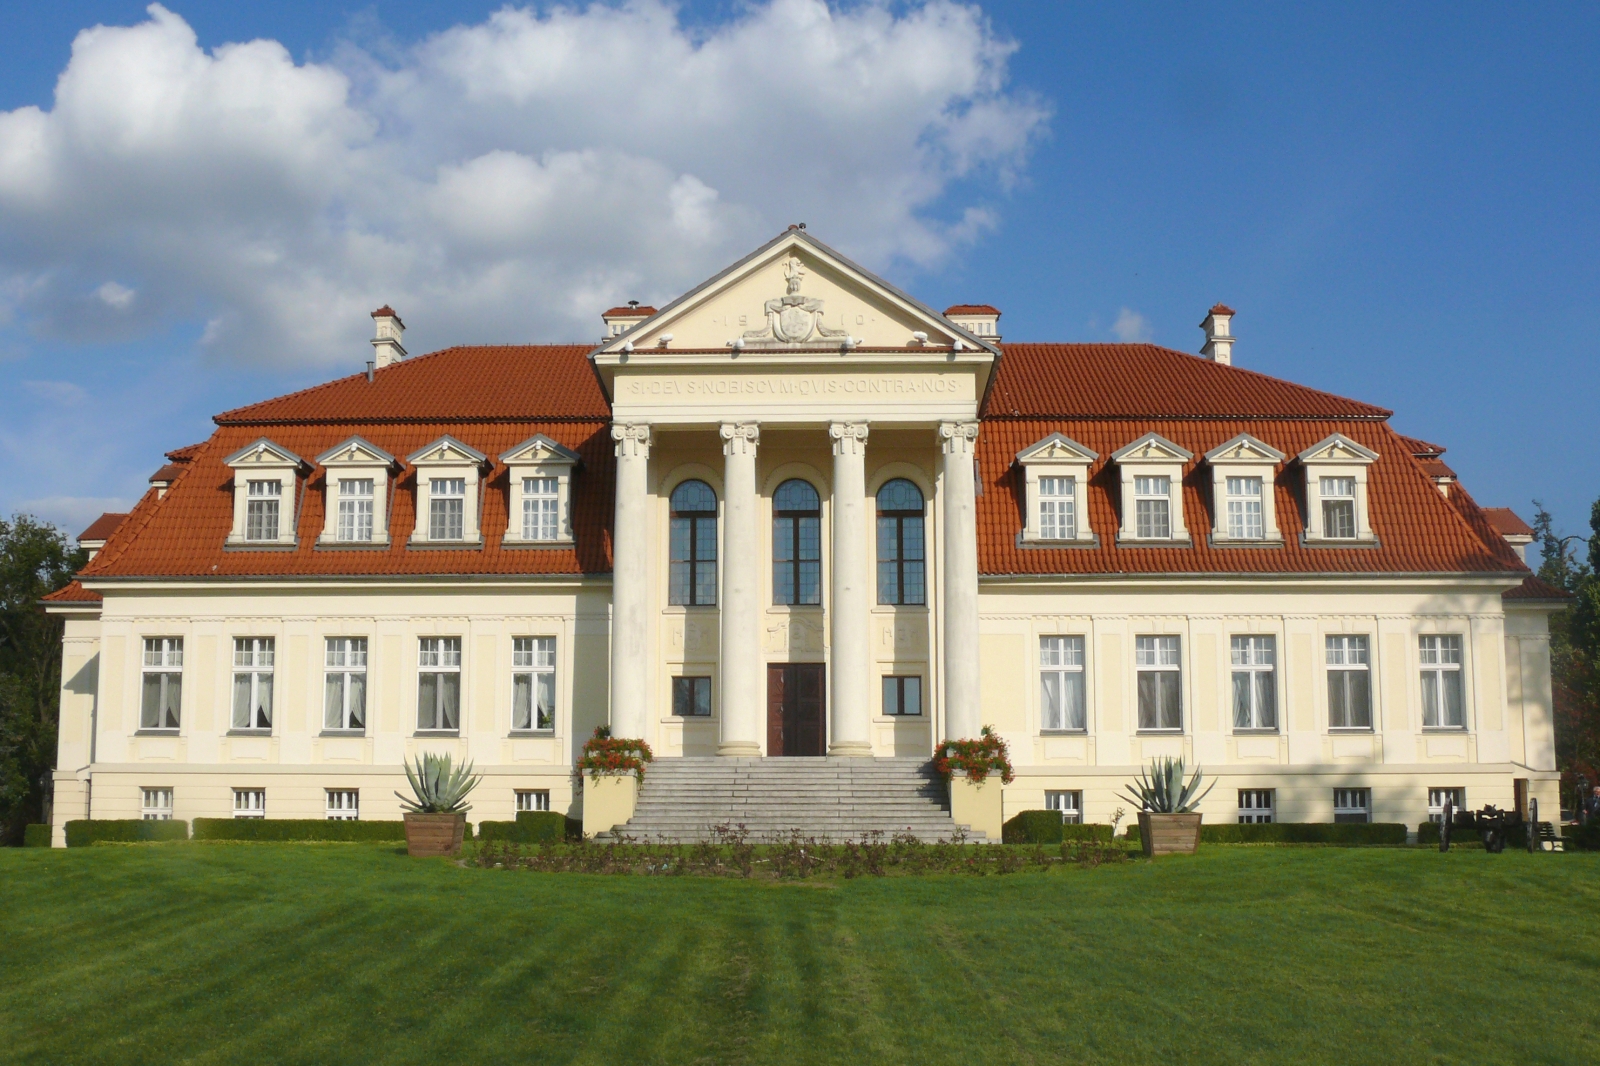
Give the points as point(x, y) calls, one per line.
point(693, 577)
point(796, 544)
point(902, 565)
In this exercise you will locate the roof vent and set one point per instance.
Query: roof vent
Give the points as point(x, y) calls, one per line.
point(387, 330)
point(980, 320)
point(620, 320)
point(1219, 335)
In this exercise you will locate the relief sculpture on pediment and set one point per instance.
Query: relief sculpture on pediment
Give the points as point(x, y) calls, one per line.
point(793, 318)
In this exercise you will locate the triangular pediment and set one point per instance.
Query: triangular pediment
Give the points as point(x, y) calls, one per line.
point(538, 449)
point(1057, 448)
point(794, 293)
point(1245, 449)
point(355, 452)
point(1152, 448)
point(446, 450)
point(263, 452)
point(1338, 448)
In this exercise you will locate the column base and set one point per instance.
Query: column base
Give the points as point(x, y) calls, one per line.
point(850, 749)
point(739, 749)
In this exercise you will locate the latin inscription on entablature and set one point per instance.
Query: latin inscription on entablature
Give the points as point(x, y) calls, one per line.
point(932, 386)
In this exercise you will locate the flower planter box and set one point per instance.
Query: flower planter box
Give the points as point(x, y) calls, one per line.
point(1169, 834)
point(435, 834)
point(608, 801)
point(977, 805)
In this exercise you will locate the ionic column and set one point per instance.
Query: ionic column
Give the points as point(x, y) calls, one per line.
point(630, 593)
point(961, 708)
point(850, 670)
point(744, 695)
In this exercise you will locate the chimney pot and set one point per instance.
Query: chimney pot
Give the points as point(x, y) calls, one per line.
point(387, 331)
point(1218, 325)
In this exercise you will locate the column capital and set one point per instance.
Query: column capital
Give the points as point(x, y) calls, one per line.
point(632, 439)
point(740, 438)
point(958, 438)
point(849, 438)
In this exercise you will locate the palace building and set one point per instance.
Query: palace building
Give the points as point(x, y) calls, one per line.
point(796, 518)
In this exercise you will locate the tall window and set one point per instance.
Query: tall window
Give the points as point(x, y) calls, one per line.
point(902, 555)
point(345, 684)
point(1349, 683)
point(162, 695)
point(261, 510)
point(252, 682)
point(1339, 507)
point(447, 508)
point(693, 565)
point(1058, 516)
point(691, 697)
point(343, 805)
point(541, 500)
point(439, 683)
point(902, 695)
point(1160, 682)
point(796, 544)
point(249, 803)
point(1061, 688)
point(1256, 805)
point(1255, 697)
point(355, 509)
point(1352, 805)
point(155, 804)
point(533, 799)
point(1244, 508)
point(533, 683)
point(1070, 804)
point(1438, 797)
point(1441, 683)
point(1152, 507)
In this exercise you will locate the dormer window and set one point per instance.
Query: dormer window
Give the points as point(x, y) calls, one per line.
point(447, 502)
point(540, 508)
point(357, 476)
point(1243, 472)
point(449, 476)
point(1336, 492)
point(1152, 491)
point(265, 477)
point(1055, 471)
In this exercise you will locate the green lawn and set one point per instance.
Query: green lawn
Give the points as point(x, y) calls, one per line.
point(353, 953)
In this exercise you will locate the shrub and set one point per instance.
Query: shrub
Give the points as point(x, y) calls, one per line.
point(295, 829)
point(606, 754)
point(1033, 827)
point(1583, 837)
point(531, 827)
point(1347, 833)
point(36, 835)
point(85, 831)
point(975, 758)
point(1087, 831)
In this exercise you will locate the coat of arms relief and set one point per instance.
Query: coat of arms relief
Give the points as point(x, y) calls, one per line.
point(793, 318)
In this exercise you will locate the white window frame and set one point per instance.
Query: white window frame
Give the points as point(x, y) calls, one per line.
point(1058, 508)
point(533, 666)
point(253, 669)
point(1152, 507)
point(1258, 806)
point(1253, 658)
point(1438, 794)
point(447, 461)
point(541, 508)
point(1063, 668)
point(1348, 655)
point(355, 460)
point(263, 510)
point(1243, 458)
point(258, 465)
point(447, 509)
point(345, 658)
point(249, 803)
point(358, 509)
point(532, 799)
point(163, 659)
point(1152, 456)
point(1068, 801)
point(1158, 654)
point(342, 804)
point(1246, 515)
point(1335, 459)
point(1057, 459)
point(1433, 650)
point(1352, 805)
point(440, 659)
point(155, 804)
point(533, 461)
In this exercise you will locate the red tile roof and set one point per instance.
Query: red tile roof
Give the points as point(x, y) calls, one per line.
point(1437, 469)
point(1421, 448)
point(971, 309)
point(73, 592)
point(185, 453)
point(1222, 309)
point(1505, 520)
point(642, 311)
point(168, 473)
point(1534, 589)
point(104, 526)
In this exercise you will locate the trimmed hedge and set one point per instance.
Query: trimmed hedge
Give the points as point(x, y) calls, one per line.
point(1046, 827)
point(1583, 837)
point(1462, 835)
point(1349, 833)
point(86, 831)
point(532, 827)
point(298, 829)
point(36, 835)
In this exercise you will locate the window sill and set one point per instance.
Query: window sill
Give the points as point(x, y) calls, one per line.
point(1158, 732)
point(248, 733)
point(525, 733)
point(518, 544)
point(1065, 543)
point(249, 817)
point(446, 545)
point(259, 546)
point(343, 733)
point(352, 545)
point(1064, 732)
point(1339, 542)
point(886, 719)
point(1125, 541)
point(690, 718)
point(1351, 730)
point(155, 732)
point(1256, 733)
point(1444, 729)
point(433, 733)
point(1218, 541)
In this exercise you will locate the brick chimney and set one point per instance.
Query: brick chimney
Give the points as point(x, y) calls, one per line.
point(1219, 335)
point(387, 330)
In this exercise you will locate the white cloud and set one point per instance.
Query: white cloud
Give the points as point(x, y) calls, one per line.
point(72, 514)
point(499, 181)
point(1131, 327)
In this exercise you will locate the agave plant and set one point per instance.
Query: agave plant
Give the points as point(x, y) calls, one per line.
point(1161, 789)
point(439, 786)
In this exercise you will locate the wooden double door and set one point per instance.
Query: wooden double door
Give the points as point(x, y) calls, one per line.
point(795, 709)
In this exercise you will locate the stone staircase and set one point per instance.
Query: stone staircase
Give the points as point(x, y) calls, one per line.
point(684, 799)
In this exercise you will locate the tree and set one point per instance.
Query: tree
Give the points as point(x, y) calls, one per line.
point(36, 559)
point(1574, 646)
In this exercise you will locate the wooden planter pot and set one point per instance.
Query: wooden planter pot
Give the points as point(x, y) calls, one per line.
point(435, 834)
point(1169, 834)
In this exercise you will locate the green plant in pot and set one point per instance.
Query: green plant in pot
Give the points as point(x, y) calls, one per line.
point(436, 813)
point(1168, 821)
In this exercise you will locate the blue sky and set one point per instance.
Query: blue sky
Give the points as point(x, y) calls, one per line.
point(1402, 204)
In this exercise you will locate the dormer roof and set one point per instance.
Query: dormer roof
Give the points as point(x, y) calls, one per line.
point(1245, 449)
point(1152, 448)
point(447, 449)
point(355, 450)
point(539, 449)
point(1058, 447)
point(1337, 448)
point(263, 452)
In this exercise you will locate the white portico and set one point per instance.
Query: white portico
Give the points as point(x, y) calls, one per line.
point(808, 374)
